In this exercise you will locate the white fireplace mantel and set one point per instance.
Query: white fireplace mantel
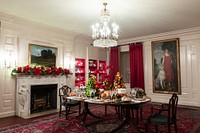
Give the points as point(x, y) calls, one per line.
point(24, 89)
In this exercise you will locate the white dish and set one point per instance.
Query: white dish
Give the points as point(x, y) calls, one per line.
point(135, 101)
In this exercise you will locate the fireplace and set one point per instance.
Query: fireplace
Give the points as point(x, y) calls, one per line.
point(43, 98)
point(33, 96)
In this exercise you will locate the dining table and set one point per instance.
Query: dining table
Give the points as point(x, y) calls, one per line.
point(127, 105)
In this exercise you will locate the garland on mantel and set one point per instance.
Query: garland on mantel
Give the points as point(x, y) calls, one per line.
point(40, 71)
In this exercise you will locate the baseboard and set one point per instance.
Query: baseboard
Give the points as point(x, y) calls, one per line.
point(7, 114)
point(179, 105)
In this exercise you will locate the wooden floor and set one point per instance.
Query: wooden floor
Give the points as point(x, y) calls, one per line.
point(11, 120)
point(15, 119)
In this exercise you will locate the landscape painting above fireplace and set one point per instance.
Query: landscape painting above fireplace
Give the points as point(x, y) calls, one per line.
point(42, 55)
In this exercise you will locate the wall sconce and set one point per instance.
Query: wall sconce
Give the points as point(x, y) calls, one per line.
point(10, 59)
point(10, 51)
point(68, 61)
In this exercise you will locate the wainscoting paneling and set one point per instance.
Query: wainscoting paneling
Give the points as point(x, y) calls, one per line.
point(189, 64)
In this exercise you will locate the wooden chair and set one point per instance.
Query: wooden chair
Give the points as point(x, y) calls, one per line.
point(64, 91)
point(138, 108)
point(158, 118)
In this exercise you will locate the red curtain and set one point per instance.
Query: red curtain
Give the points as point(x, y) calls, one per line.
point(114, 53)
point(136, 65)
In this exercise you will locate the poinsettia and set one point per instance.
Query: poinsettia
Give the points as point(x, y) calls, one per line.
point(105, 80)
point(40, 70)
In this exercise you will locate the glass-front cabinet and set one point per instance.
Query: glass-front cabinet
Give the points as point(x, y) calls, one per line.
point(102, 65)
point(92, 67)
point(79, 72)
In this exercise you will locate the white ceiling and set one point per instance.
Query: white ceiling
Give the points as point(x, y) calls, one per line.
point(134, 17)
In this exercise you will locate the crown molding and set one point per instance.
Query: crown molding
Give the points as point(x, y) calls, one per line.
point(13, 20)
point(171, 34)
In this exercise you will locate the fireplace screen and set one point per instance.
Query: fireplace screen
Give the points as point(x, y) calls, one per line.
point(43, 97)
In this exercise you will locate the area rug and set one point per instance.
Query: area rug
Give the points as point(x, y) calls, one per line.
point(188, 122)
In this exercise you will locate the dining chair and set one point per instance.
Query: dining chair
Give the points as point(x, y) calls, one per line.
point(139, 110)
point(64, 91)
point(159, 117)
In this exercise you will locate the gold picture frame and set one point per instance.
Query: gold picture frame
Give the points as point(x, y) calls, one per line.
point(166, 66)
point(40, 55)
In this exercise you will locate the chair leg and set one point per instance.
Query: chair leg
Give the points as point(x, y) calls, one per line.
point(141, 117)
point(117, 110)
point(169, 129)
point(79, 108)
point(175, 126)
point(122, 111)
point(60, 110)
point(105, 110)
point(156, 129)
point(146, 127)
point(132, 111)
point(67, 110)
point(137, 116)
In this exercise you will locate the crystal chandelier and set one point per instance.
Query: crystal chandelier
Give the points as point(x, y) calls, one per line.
point(105, 34)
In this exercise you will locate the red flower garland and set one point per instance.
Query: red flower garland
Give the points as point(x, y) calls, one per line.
point(38, 71)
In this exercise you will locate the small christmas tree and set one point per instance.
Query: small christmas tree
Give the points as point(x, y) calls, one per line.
point(118, 81)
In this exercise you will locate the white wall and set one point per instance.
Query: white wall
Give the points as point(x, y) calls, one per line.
point(189, 64)
point(16, 34)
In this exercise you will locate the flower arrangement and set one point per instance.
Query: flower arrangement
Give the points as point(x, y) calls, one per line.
point(104, 81)
point(140, 93)
point(90, 85)
point(39, 71)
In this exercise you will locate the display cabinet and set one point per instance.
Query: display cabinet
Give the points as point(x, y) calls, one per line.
point(79, 72)
point(102, 65)
point(92, 67)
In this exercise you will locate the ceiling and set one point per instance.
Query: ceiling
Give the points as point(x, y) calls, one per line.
point(134, 17)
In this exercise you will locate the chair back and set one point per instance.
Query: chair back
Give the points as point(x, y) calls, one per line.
point(64, 91)
point(172, 107)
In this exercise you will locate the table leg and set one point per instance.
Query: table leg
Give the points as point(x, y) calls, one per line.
point(86, 112)
point(129, 121)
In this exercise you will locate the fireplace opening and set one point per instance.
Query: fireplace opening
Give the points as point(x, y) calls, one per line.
point(43, 97)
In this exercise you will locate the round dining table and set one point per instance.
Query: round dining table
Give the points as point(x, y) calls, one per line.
point(127, 105)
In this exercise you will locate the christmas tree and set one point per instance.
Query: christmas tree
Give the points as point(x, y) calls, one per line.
point(118, 81)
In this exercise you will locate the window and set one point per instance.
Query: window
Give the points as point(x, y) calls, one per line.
point(125, 66)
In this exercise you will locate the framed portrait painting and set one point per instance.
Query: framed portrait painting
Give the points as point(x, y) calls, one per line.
point(42, 55)
point(166, 66)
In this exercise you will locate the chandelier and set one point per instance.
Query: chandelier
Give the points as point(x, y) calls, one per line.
point(104, 34)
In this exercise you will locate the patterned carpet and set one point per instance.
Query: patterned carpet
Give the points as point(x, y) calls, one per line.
point(188, 122)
